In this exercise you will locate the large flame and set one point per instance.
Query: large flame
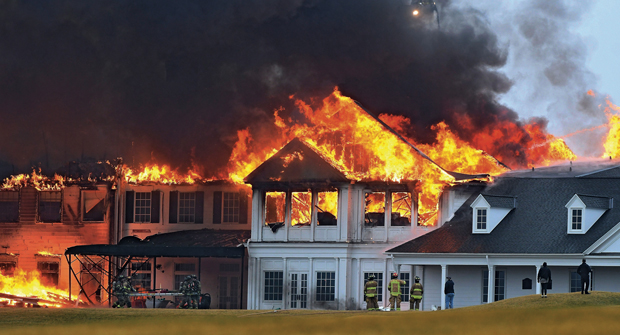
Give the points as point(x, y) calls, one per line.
point(31, 287)
point(160, 174)
point(35, 179)
point(612, 141)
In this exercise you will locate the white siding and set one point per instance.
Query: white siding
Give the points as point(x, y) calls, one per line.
point(514, 281)
point(433, 284)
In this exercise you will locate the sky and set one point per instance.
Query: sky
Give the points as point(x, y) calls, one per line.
point(173, 82)
point(586, 30)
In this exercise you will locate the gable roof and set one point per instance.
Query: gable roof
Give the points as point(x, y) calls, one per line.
point(500, 201)
point(593, 201)
point(295, 163)
point(537, 225)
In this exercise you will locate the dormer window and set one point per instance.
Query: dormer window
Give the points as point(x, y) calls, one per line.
point(481, 218)
point(576, 219)
point(584, 211)
point(489, 210)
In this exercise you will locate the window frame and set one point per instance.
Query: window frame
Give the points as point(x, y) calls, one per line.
point(147, 206)
point(7, 197)
point(571, 219)
point(235, 207)
point(480, 224)
point(140, 271)
point(192, 208)
point(40, 199)
point(278, 291)
point(52, 276)
point(404, 289)
point(323, 291)
point(83, 205)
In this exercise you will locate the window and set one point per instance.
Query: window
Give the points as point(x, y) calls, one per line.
point(325, 286)
point(9, 206)
point(575, 281)
point(327, 209)
point(141, 275)
point(576, 219)
point(481, 219)
point(401, 209)
point(50, 204)
point(143, 207)
point(231, 207)
point(404, 289)
point(49, 271)
point(379, 280)
point(7, 268)
point(93, 206)
point(273, 285)
point(187, 207)
point(500, 286)
point(274, 208)
point(526, 284)
point(301, 208)
point(374, 209)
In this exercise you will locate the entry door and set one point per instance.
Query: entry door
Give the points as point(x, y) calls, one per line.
point(229, 292)
point(299, 290)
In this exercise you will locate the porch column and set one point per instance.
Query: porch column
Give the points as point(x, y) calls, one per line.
point(444, 274)
point(538, 287)
point(491, 286)
point(386, 280)
point(285, 288)
point(311, 284)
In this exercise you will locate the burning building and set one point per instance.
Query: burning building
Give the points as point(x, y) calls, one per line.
point(40, 218)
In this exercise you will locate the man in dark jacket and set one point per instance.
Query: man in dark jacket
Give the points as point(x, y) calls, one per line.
point(584, 271)
point(544, 277)
point(448, 290)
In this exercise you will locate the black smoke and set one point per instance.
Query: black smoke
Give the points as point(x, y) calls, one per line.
point(172, 81)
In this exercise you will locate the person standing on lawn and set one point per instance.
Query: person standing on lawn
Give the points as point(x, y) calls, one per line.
point(584, 271)
point(448, 290)
point(544, 277)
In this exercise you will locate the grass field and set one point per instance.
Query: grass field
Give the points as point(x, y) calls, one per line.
point(598, 313)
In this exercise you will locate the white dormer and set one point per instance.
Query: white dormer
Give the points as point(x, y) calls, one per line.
point(584, 211)
point(489, 211)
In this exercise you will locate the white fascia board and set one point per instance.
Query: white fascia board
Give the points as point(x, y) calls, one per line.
point(602, 244)
point(480, 202)
point(575, 202)
point(588, 218)
point(490, 259)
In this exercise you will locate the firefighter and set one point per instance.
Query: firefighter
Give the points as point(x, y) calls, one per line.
point(394, 288)
point(370, 292)
point(121, 289)
point(416, 294)
point(190, 287)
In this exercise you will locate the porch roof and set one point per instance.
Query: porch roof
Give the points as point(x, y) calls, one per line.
point(187, 243)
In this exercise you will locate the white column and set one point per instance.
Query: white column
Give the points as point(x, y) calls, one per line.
point(311, 283)
point(491, 286)
point(337, 283)
point(444, 274)
point(258, 272)
point(314, 221)
point(386, 280)
point(250, 298)
point(287, 216)
point(538, 287)
point(388, 214)
point(285, 288)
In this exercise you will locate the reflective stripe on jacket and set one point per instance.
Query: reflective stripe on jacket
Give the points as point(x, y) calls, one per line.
point(370, 289)
point(416, 291)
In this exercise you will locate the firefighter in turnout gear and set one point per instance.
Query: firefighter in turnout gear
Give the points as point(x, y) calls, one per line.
point(121, 289)
point(394, 288)
point(190, 287)
point(370, 292)
point(416, 294)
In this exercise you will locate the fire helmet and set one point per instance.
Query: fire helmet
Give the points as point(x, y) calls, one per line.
point(371, 277)
point(417, 279)
point(394, 275)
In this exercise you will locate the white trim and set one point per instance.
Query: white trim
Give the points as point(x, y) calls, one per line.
point(603, 239)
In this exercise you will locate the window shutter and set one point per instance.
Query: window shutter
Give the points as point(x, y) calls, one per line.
point(217, 207)
point(243, 207)
point(200, 206)
point(129, 195)
point(155, 199)
point(174, 207)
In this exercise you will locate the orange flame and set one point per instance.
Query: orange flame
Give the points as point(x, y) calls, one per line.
point(29, 285)
point(161, 174)
point(612, 141)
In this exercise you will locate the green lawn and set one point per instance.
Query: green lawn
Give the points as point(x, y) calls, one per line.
point(598, 313)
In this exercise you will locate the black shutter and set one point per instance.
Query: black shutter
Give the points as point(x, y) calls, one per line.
point(217, 207)
point(174, 207)
point(243, 207)
point(129, 206)
point(200, 206)
point(155, 200)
